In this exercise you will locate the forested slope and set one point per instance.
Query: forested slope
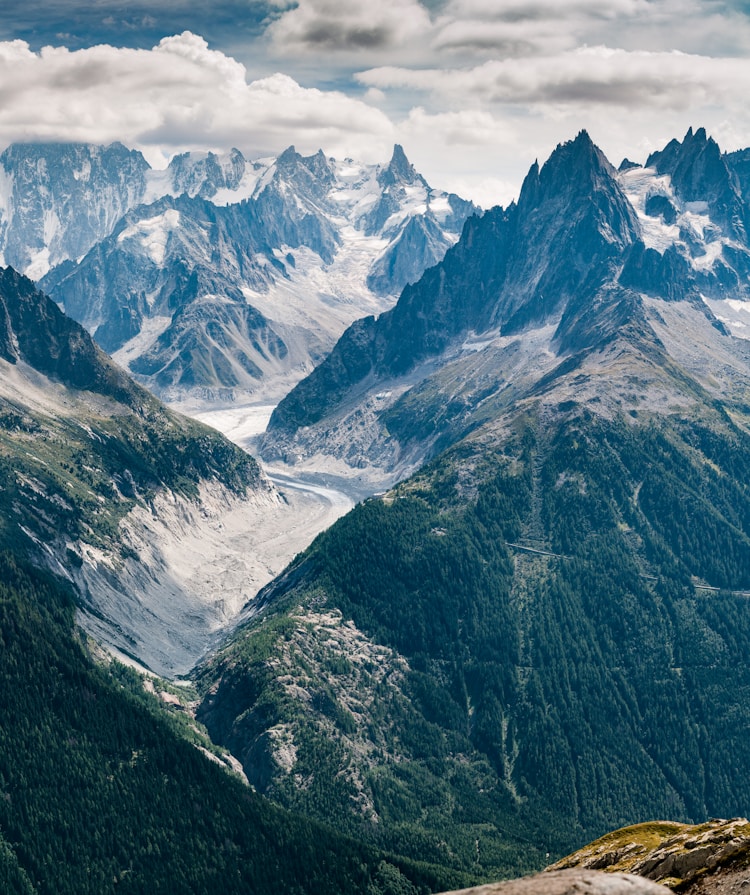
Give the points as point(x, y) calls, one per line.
point(567, 622)
point(98, 794)
point(545, 632)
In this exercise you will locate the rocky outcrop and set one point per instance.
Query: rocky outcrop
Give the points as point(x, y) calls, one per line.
point(713, 857)
point(204, 175)
point(421, 244)
point(571, 882)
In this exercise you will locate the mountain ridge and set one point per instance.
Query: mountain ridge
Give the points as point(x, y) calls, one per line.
point(553, 571)
point(307, 243)
point(578, 253)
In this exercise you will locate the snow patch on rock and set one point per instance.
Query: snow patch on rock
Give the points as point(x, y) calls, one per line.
point(154, 233)
point(692, 226)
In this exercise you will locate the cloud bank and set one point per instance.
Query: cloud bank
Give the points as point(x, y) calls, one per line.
point(591, 75)
point(179, 94)
point(473, 89)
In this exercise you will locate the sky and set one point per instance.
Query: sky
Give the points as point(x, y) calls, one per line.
point(474, 90)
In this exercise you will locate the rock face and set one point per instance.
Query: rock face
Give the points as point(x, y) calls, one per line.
point(61, 199)
point(36, 332)
point(181, 264)
point(203, 175)
point(713, 857)
point(511, 268)
point(420, 244)
point(570, 882)
point(699, 173)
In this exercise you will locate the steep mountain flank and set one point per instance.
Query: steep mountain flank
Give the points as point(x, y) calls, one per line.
point(505, 272)
point(37, 333)
point(420, 244)
point(699, 173)
point(562, 598)
point(102, 483)
point(558, 274)
point(101, 790)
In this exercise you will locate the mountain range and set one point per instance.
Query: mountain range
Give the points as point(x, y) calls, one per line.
point(218, 275)
point(543, 632)
point(579, 259)
point(536, 631)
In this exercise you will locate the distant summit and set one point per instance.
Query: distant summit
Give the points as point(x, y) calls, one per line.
point(63, 198)
point(400, 171)
point(573, 258)
point(277, 255)
point(699, 172)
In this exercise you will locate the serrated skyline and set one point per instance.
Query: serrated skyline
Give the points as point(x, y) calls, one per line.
point(473, 89)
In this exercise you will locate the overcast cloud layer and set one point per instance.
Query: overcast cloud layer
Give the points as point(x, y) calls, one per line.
point(475, 90)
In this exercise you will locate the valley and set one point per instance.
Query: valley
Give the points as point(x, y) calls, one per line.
point(319, 473)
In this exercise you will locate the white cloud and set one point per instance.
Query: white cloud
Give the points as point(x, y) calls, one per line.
point(465, 128)
point(473, 89)
point(403, 30)
point(464, 152)
point(357, 26)
point(179, 95)
point(546, 9)
point(710, 27)
point(492, 120)
point(590, 75)
point(503, 39)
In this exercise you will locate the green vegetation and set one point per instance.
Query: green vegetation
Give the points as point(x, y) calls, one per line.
point(637, 839)
point(98, 794)
point(78, 477)
point(102, 790)
point(546, 662)
point(330, 725)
